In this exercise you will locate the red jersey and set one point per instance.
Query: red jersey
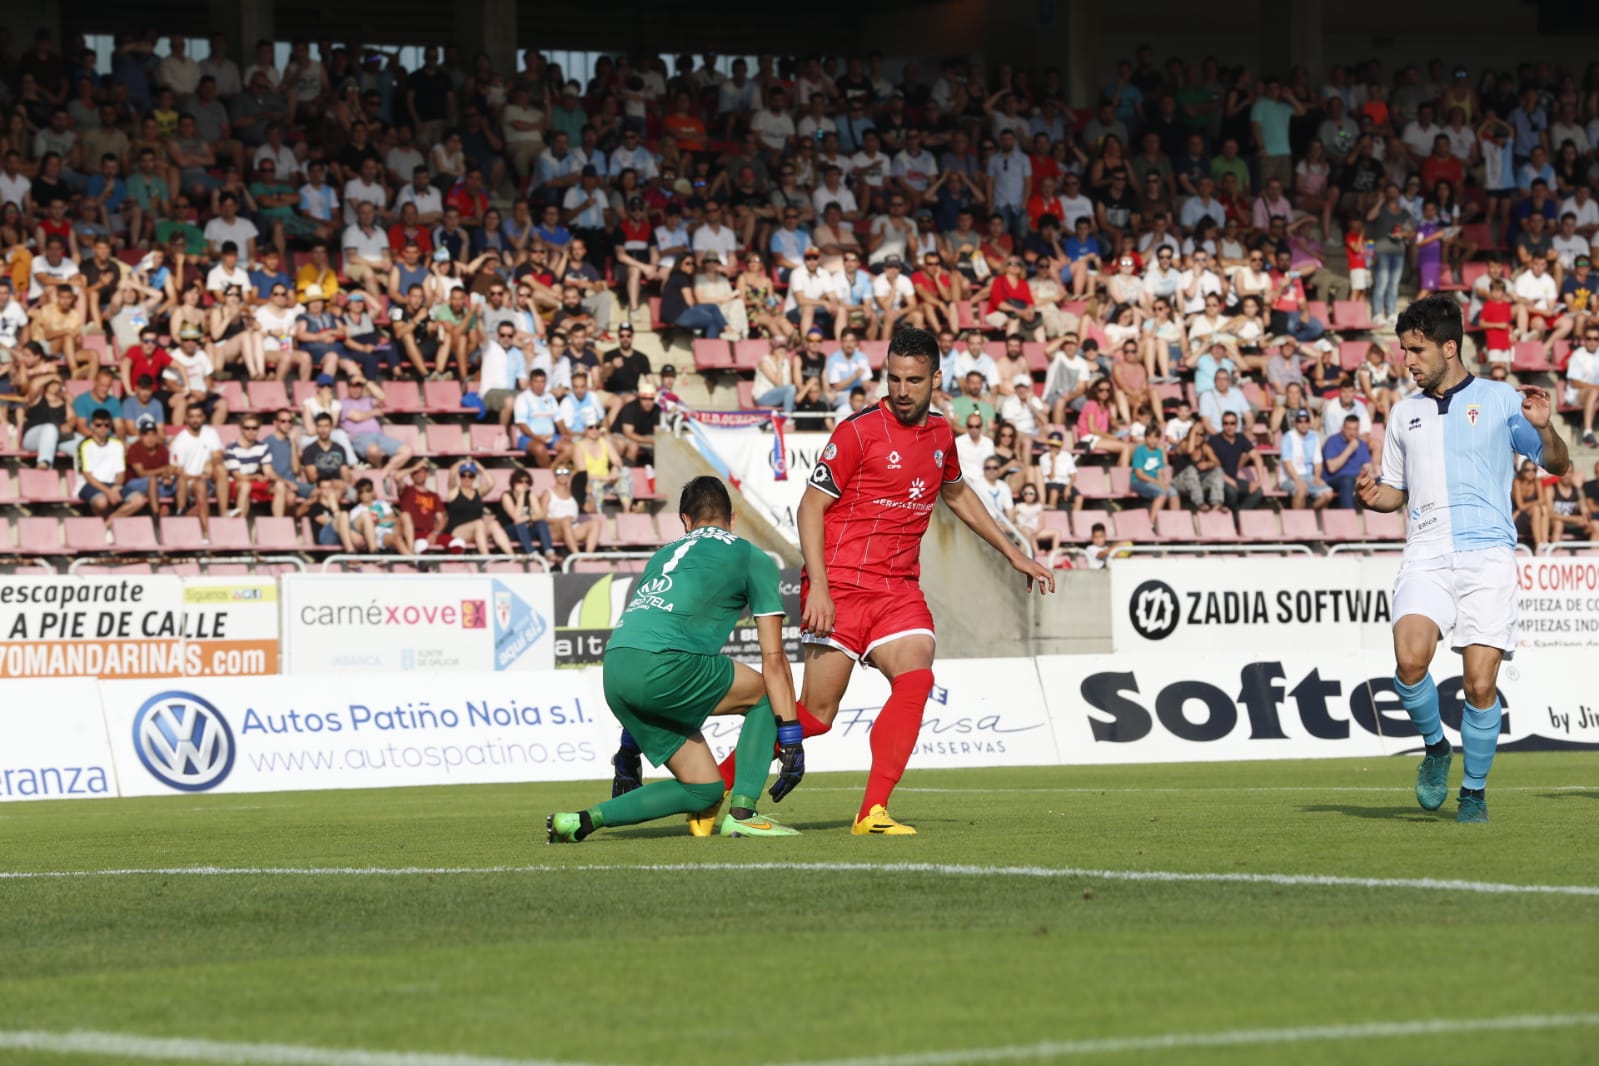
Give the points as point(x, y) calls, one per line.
point(1495, 318)
point(423, 505)
point(886, 477)
point(152, 363)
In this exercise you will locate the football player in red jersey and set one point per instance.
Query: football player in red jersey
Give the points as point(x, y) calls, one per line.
point(861, 521)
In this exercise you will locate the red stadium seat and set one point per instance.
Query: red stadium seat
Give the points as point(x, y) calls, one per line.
point(642, 489)
point(267, 395)
point(1093, 482)
point(8, 488)
point(1216, 527)
point(636, 530)
point(448, 440)
point(1121, 481)
point(41, 536)
point(408, 435)
point(276, 535)
point(1351, 354)
point(1174, 526)
point(1300, 526)
point(876, 353)
point(137, 533)
point(1339, 525)
point(747, 355)
point(490, 440)
point(96, 342)
point(85, 535)
point(1259, 526)
point(402, 397)
point(1380, 526)
point(181, 533)
point(1134, 524)
point(1058, 522)
point(746, 395)
point(1037, 361)
point(40, 486)
point(443, 397)
point(1352, 315)
point(237, 400)
point(712, 354)
point(1529, 358)
point(227, 534)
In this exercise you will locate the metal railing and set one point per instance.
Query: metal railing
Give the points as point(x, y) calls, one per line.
point(568, 565)
point(1124, 550)
point(13, 565)
point(1367, 547)
point(1568, 546)
point(432, 560)
point(205, 561)
point(1058, 553)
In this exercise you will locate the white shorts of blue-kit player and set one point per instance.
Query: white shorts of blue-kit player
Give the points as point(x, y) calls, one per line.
point(1470, 596)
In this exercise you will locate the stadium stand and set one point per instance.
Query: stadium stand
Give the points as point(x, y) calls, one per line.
point(239, 279)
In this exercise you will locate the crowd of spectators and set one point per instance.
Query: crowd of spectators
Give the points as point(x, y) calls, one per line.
point(1164, 260)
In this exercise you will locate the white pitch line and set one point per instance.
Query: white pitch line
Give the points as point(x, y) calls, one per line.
point(1233, 1038)
point(1429, 884)
point(182, 1049)
point(1198, 788)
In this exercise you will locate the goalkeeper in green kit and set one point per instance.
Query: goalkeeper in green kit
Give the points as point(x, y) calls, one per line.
point(665, 675)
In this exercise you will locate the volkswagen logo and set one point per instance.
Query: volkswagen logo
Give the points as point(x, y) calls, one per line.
point(183, 741)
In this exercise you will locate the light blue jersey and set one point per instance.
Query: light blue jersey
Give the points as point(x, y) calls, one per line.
point(1455, 457)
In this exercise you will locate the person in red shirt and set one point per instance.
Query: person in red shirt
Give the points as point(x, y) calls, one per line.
point(868, 503)
point(1495, 318)
point(1442, 165)
point(684, 125)
point(145, 359)
point(467, 196)
point(422, 510)
point(1010, 304)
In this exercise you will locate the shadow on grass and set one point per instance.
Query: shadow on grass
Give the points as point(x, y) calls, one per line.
point(1570, 794)
point(673, 828)
point(1381, 814)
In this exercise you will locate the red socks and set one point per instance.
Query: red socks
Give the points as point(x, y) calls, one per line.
point(894, 735)
point(809, 723)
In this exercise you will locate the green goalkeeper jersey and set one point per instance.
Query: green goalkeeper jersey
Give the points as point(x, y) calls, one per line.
point(693, 591)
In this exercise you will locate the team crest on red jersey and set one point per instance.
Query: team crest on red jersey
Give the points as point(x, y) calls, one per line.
point(1473, 410)
point(938, 457)
point(829, 451)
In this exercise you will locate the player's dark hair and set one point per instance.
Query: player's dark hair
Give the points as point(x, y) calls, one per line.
point(911, 343)
point(705, 499)
point(1437, 318)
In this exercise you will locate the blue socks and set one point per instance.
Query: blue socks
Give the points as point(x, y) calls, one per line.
point(1421, 703)
point(628, 744)
point(1479, 736)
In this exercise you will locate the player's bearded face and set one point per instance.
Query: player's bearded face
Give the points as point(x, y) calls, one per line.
point(911, 381)
point(1427, 361)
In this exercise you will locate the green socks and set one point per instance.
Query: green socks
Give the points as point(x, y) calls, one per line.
point(754, 755)
point(655, 800)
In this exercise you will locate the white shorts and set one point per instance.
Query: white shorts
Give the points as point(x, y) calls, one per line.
point(1360, 279)
point(1470, 596)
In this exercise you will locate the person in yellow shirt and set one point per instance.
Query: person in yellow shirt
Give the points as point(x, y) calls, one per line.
point(317, 271)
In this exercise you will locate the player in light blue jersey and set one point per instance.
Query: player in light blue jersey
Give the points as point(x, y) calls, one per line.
point(1449, 458)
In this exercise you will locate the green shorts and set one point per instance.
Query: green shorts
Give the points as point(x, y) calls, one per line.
point(664, 697)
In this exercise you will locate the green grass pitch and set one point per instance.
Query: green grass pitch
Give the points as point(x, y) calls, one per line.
point(584, 954)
